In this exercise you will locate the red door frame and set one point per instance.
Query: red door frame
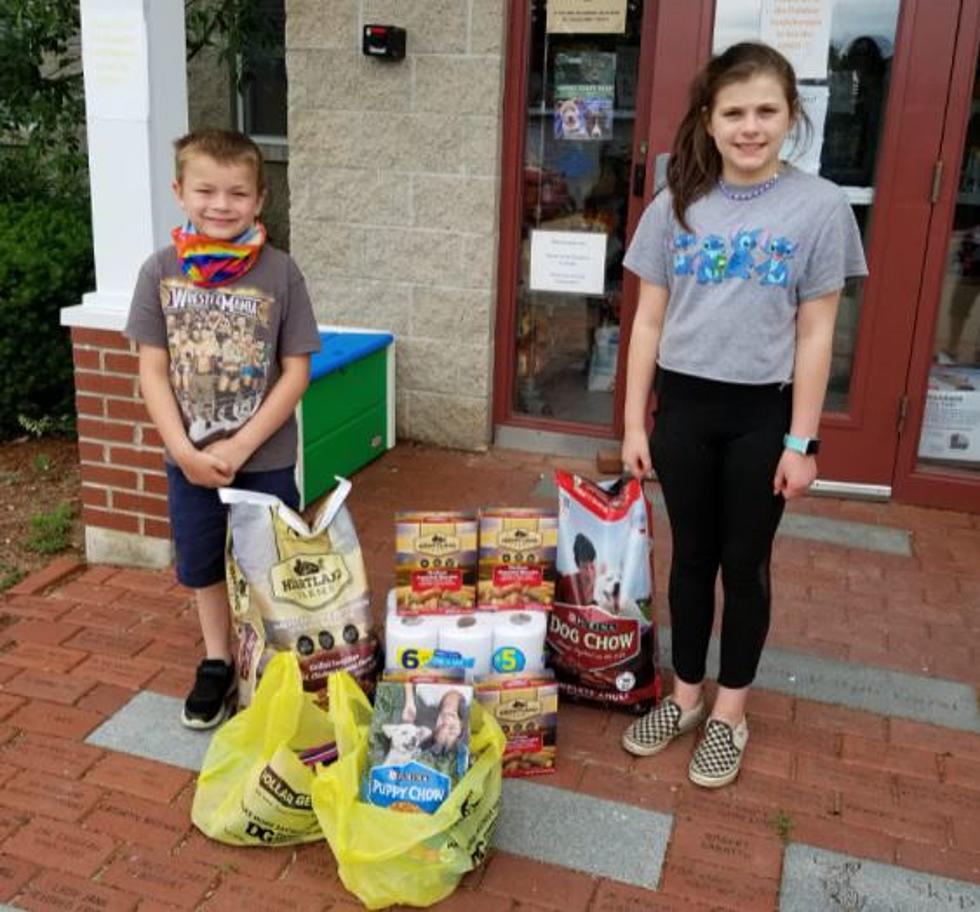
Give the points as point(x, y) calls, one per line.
point(861, 445)
point(957, 490)
point(672, 57)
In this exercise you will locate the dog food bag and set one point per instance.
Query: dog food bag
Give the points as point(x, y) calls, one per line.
point(526, 709)
point(435, 569)
point(517, 559)
point(601, 635)
point(299, 588)
point(418, 744)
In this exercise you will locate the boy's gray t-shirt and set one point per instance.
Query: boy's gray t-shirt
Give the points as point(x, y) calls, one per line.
point(225, 344)
point(737, 277)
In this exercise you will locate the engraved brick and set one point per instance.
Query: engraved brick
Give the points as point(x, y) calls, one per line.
point(43, 685)
point(140, 822)
point(54, 891)
point(109, 642)
point(728, 848)
point(57, 659)
point(154, 875)
point(14, 873)
point(44, 717)
point(119, 670)
point(52, 796)
point(703, 881)
point(60, 845)
point(50, 754)
point(136, 776)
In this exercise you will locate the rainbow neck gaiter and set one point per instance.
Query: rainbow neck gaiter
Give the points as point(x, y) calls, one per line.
point(209, 262)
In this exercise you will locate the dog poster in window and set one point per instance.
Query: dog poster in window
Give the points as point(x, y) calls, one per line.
point(585, 86)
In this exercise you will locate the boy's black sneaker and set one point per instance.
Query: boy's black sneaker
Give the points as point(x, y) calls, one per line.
point(209, 702)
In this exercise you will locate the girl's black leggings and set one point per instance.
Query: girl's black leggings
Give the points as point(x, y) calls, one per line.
point(715, 447)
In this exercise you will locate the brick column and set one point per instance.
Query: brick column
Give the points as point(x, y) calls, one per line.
point(124, 485)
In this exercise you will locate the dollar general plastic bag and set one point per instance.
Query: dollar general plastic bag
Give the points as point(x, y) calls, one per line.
point(299, 588)
point(386, 857)
point(254, 788)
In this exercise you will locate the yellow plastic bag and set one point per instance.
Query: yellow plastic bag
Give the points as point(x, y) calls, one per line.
point(387, 857)
point(253, 788)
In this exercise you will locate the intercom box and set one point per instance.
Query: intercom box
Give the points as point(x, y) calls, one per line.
point(386, 41)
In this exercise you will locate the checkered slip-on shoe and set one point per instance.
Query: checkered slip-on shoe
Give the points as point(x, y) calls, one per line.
point(652, 733)
point(718, 756)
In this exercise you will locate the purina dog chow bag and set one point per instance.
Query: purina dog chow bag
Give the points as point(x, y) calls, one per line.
point(299, 588)
point(601, 635)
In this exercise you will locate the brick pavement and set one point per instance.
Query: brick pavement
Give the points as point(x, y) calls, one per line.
point(85, 828)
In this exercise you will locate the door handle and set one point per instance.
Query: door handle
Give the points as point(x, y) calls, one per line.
point(660, 162)
point(639, 178)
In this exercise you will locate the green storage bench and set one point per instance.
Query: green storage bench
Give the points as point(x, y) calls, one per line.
point(347, 415)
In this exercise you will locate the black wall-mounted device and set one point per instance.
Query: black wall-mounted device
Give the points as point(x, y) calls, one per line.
point(387, 41)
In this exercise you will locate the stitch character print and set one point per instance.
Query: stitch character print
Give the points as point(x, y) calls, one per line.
point(775, 270)
point(712, 260)
point(684, 254)
point(741, 263)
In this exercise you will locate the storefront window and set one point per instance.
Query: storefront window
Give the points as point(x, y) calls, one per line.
point(845, 99)
point(951, 423)
point(262, 102)
point(578, 150)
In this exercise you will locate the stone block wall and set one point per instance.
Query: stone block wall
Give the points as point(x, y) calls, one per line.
point(394, 187)
point(123, 480)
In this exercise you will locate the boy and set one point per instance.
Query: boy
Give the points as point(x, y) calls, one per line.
point(220, 274)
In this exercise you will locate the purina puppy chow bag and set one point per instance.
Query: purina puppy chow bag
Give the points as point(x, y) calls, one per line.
point(601, 634)
point(298, 587)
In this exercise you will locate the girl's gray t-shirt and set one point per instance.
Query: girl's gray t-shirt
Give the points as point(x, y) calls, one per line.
point(737, 277)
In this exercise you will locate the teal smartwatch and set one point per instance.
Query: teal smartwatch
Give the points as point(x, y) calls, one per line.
point(805, 446)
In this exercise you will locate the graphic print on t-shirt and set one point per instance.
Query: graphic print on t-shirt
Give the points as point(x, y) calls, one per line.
point(749, 255)
point(220, 350)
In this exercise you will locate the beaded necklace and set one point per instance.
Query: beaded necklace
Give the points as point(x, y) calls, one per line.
point(740, 196)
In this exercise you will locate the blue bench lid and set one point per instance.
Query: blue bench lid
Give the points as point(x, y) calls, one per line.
point(340, 349)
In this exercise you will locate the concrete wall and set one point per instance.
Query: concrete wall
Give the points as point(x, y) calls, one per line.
point(394, 186)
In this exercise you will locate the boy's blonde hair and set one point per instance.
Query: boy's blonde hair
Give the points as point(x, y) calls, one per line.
point(224, 146)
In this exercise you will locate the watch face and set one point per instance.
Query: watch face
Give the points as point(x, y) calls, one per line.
point(812, 447)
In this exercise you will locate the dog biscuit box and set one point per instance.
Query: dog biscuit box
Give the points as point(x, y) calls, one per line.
point(435, 570)
point(418, 744)
point(517, 559)
point(526, 708)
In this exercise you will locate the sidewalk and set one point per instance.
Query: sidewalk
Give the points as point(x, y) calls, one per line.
point(861, 779)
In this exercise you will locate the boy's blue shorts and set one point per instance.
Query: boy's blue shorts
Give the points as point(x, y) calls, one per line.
point(199, 520)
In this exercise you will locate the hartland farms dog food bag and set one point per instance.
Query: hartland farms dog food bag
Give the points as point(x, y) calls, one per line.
point(298, 587)
point(601, 635)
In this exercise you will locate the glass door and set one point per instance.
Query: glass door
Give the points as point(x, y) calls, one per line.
point(940, 460)
point(579, 129)
point(581, 98)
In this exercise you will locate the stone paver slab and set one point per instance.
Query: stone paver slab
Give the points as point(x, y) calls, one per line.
point(817, 879)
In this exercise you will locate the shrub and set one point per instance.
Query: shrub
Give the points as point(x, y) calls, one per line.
point(45, 264)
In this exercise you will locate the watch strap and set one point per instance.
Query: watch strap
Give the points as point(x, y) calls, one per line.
point(805, 446)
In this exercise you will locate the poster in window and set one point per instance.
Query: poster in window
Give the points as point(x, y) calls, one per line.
point(951, 424)
point(800, 30)
point(585, 86)
point(806, 155)
point(587, 17)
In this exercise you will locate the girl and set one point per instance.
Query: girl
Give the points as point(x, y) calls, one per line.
point(742, 261)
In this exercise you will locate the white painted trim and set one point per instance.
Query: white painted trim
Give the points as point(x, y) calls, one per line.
point(98, 311)
point(390, 394)
point(851, 489)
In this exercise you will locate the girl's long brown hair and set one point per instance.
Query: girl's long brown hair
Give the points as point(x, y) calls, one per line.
point(695, 163)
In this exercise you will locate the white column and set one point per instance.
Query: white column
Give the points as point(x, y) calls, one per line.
point(134, 62)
